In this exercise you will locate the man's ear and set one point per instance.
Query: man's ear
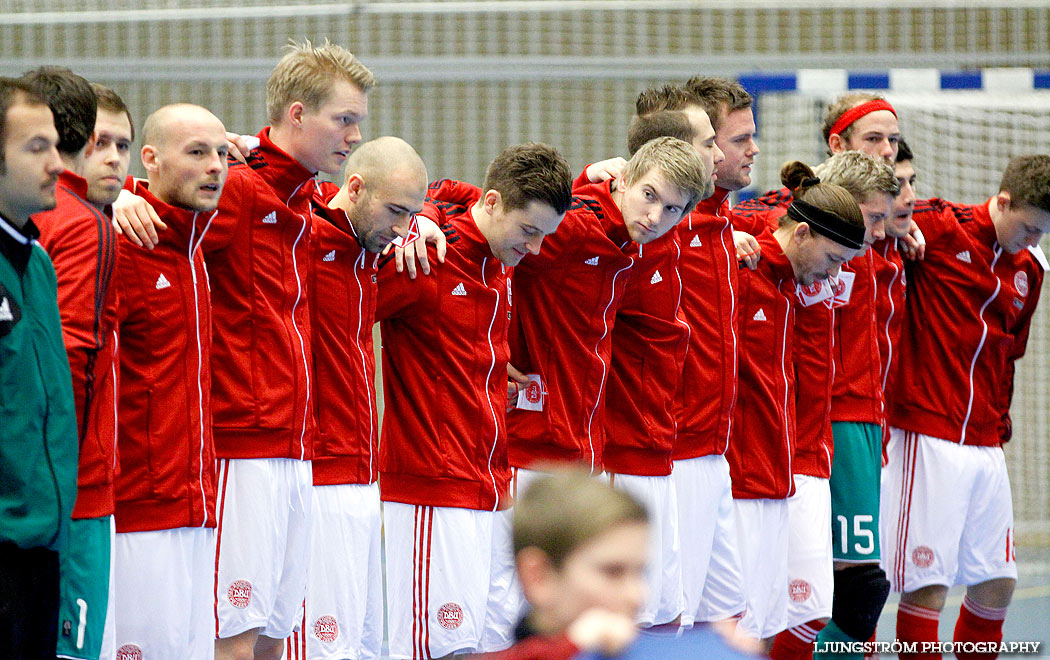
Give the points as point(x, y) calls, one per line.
point(355, 187)
point(537, 575)
point(89, 148)
point(801, 232)
point(492, 201)
point(1002, 200)
point(294, 114)
point(149, 158)
point(837, 144)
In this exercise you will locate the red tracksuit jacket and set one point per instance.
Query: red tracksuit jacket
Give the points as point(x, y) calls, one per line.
point(565, 303)
point(969, 307)
point(82, 244)
point(814, 373)
point(445, 376)
point(754, 215)
point(889, 306)
point(258, 256)
point(763, 445)
point(649, 343)
point(812, 352)
point(857, 390)
point(342, 311)
point(710, 280)
point(167, 455)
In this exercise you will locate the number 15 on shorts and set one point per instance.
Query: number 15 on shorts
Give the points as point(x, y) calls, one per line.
point(862, 536)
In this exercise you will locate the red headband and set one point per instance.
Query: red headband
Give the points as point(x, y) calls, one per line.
point(853, 114)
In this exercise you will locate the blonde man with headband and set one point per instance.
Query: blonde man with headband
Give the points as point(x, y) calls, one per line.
point(861, 121)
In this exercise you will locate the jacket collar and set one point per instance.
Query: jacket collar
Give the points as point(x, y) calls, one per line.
point(284, 174)
point(17, 244)
point(73, 183)
point(337, 218)
point(180, 221)
point(773, 258)
point(713, 204)
point(984, 228)
point(612, 218)
point(474, 244)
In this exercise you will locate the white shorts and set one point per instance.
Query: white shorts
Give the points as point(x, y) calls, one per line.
point(344, 595)
point(164, 586)
point(810, 571)
point(762, 527)
point(264, 509)
point(665, 601)
point(451, 583)
point(947, 516)
point(711, 579)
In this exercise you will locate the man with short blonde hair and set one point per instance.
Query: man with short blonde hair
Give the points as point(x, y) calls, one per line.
point(676, 160)
point(263, 391)
point(649, 344)
point(306, 73)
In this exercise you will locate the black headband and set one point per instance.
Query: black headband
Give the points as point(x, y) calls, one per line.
point(827, 224)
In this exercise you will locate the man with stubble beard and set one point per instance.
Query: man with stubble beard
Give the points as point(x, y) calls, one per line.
point(165, 491)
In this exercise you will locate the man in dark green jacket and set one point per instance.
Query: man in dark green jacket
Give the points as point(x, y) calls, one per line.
point(38, 435)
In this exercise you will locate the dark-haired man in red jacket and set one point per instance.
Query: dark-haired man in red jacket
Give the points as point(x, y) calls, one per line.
point(948, 516)
point(443, 459)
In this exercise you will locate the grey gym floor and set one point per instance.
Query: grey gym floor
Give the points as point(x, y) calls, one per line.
point(1029, 616)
